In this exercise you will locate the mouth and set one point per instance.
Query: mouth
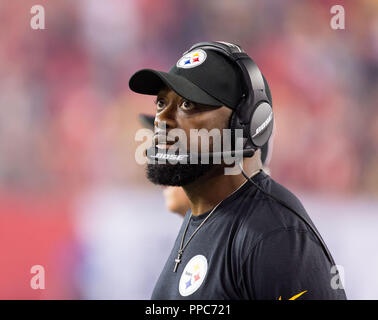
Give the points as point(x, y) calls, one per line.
point(160, 141)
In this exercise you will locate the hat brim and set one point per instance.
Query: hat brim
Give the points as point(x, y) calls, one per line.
point(148, 81)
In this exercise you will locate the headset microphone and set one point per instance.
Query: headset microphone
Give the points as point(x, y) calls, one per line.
point(155, 154)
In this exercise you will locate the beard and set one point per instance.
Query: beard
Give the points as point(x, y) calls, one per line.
point(176, 174)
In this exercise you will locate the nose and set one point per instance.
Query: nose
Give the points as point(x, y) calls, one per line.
point(166, 119)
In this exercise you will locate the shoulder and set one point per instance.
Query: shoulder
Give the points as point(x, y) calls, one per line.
point(273, 207)
point(284, 263)
point(269, 213)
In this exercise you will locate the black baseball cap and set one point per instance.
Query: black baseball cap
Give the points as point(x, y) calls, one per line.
point(202, 76)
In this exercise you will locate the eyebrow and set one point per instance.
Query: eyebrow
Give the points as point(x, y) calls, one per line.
point(163, 90)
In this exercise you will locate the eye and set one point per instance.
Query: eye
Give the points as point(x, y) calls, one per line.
point(187, 105)
point(160, 104)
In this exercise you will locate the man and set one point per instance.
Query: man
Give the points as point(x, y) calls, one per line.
point(241, 239)
point(176, 199)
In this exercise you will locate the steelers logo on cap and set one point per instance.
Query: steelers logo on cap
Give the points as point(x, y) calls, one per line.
point(193, 275)
point(192, 59)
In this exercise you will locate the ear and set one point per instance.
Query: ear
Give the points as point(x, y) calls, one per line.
point(234, 123)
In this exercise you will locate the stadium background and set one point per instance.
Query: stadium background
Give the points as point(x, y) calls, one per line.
point(72, 197)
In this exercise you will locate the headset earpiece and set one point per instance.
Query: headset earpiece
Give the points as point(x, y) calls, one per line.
point(261, 125)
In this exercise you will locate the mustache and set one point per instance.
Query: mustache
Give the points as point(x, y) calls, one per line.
point(163, 137)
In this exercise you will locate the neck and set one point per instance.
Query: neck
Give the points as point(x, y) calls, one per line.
point(207, 191)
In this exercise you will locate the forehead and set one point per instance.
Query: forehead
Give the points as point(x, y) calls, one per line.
point(166, 91)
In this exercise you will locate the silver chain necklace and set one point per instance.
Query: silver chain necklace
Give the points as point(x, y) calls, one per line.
point(182, 246)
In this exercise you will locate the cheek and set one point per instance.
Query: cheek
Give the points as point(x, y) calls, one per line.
point(206, 120)
point(190, 125)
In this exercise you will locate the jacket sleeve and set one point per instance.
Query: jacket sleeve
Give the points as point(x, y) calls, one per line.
point(289, 264)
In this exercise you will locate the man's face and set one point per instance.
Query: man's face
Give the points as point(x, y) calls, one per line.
point(179, 113)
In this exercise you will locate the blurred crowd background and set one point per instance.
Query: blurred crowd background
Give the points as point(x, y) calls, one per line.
point(74, 200)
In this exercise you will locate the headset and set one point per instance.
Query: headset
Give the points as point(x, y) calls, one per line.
point(254, 115)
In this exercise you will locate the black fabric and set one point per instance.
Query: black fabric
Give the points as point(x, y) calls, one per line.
point(215, 82)
point(255, 249)
point(150, 82)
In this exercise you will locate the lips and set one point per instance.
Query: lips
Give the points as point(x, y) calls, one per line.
point(160, 141)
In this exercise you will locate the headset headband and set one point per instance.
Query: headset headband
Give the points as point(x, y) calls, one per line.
point(238, 55)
